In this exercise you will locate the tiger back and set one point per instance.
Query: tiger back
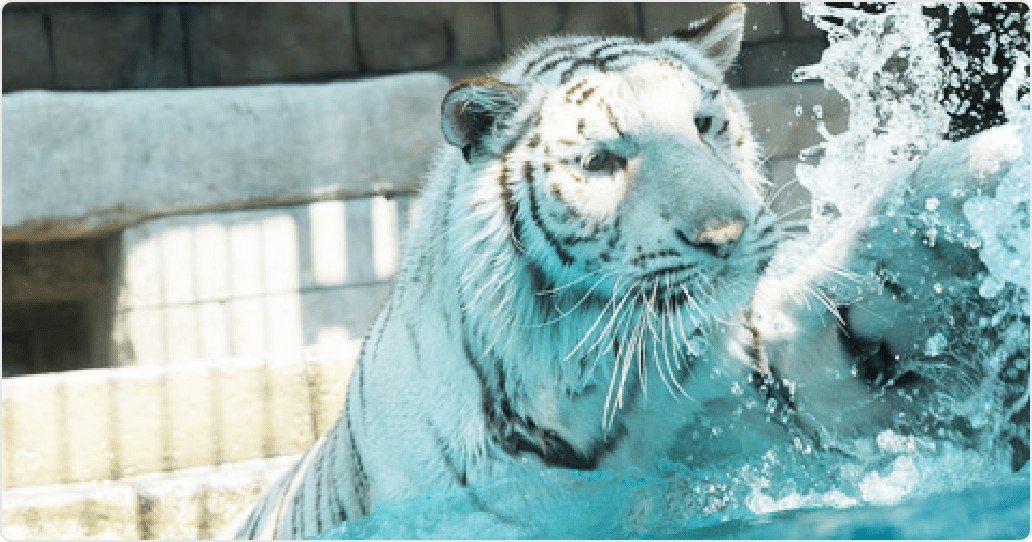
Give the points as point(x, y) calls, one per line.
point(595, 216)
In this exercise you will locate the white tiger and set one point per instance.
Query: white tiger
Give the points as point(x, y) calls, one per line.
point(597, 212)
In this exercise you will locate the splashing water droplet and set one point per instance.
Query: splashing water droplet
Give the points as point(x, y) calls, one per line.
point(991, 287)
point(935, 345)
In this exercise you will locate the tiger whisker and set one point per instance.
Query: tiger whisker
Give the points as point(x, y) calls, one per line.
point(659, 341)
point(795, 222)
point(677, 352)
point(605, 331)
point(601, 315)
point(638, 350)
point(773, 197)
point(667, 345)
point(550, 291)
point(610, 408)
point(576, 305)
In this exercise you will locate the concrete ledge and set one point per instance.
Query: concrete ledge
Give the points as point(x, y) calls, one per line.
point(78, 164)
point(190, 504)
point(97, 511)
point(104, 424)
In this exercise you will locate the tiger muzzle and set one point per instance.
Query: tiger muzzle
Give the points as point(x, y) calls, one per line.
point(716, 235)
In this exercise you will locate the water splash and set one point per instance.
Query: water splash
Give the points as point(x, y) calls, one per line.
point(892, 68)
point(887, 66)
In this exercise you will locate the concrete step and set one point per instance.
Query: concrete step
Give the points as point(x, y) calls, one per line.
point(108, 424)
point(197, 503)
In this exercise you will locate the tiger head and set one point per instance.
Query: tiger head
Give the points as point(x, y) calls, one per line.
point(630, 163)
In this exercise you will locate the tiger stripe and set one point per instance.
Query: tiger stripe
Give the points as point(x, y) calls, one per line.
point(519, 435)
point(598, 64)
point(723, 128)
point(568, 55)
point(611, 117)
point(358, 475)
point(575, 88)
point(565, 258)
point(587, 94)
point(509, 205)
point(543, 56)
point(413, 338)
point(446, 455)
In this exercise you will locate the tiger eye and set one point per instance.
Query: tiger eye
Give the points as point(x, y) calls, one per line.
point(603, 161)
point(595, 161)
point(703, 124)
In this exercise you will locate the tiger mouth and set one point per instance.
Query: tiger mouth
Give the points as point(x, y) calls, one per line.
point(670, 288)
point(666, 277)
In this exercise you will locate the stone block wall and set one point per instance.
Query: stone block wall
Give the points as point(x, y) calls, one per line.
point(163, 452)
point(165, 45)
point(193, 504)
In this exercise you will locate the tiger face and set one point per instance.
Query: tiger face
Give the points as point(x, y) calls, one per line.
point(617, 167)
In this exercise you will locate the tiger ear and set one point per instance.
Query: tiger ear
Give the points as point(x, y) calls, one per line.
point(719, 36)
point(475, 108)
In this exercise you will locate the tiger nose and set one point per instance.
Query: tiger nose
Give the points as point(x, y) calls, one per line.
point(716, 235)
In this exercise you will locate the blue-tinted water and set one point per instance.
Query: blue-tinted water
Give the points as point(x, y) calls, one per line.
point(995, 512)
point(618, 507)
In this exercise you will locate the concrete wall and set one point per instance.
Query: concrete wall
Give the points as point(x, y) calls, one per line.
point(163, 45)
point(83, 164)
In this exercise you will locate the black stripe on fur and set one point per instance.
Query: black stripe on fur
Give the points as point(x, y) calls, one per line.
point(565, 258)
